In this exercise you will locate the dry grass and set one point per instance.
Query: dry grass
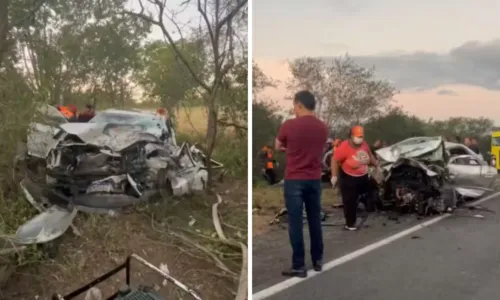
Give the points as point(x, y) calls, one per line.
point(192, 120)
point(162, 233)
point(189, 120)
point(272, 198)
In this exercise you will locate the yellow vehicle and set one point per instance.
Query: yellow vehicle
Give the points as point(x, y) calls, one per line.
point(495, 149)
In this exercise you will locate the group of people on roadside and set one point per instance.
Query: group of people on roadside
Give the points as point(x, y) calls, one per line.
point(303, 140)
point(472, 144)
point(71, 113)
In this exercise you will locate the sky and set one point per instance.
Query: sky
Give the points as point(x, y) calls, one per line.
point(186, 16)
point(443, 56)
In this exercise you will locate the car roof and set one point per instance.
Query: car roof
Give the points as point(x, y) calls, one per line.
point(132, 112)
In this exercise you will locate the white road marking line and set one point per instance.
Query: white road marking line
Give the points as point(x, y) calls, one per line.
point(267, 292)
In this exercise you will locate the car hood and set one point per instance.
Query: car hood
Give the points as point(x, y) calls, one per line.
point(116, 139)
point(424, 148)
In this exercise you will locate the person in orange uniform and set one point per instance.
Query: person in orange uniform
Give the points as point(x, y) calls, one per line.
point(349, 167)
point(66, 112)
point(267, 157)
point(72, 108)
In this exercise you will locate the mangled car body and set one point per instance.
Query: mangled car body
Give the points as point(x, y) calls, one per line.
point(103, 166)
point(426, 174)
point(111, 166)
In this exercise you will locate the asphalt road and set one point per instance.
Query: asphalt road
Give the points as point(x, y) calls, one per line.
point(272, 252)
point(458, 258)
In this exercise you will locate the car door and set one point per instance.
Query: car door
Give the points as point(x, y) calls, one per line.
point(42, 130)
point(471, 171)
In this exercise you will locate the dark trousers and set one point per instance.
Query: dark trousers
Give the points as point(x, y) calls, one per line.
point(297, 194)
point(270, 176)
point(351, 188)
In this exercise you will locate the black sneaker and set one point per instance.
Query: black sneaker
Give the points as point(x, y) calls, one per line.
point(349, 228)
point(318, 266)
point(295, 273)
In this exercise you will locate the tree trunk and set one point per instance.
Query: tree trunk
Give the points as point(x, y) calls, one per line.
point(4, 28)
point(211, 136)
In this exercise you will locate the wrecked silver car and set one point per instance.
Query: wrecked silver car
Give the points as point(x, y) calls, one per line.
point(426, 174)
point(102, 167)
point(115, 165)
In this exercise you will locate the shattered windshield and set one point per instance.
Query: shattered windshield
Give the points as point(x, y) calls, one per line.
point(495, 141)
point(415, 144)
point(126, 119)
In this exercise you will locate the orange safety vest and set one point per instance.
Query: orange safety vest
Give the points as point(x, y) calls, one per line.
point(269, 163)
point(66, 112)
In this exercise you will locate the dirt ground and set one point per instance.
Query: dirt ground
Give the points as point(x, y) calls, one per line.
point(163, 233)
point(269, 200)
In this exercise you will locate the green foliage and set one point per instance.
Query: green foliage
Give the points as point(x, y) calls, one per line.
point(463, 126)
point(395, 126)
point(234, 98)
point(233, 153)
point(17, 109)
point(265, 128)
point(392, 127)
point(165, 78)
point(80, 52)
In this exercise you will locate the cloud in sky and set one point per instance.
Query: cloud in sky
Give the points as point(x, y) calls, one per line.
point(473, 63)
point(446, 93)
point(287, 29)
point(445, 59)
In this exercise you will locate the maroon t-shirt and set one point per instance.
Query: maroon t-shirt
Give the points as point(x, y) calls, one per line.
point(304, 139)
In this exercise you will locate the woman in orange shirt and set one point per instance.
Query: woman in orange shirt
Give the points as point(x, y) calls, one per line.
point(350, 165)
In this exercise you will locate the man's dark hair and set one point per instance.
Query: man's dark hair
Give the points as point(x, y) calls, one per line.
point(88, 106)
point(305, 98)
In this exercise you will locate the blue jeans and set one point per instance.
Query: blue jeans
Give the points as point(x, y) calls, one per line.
point(297, 194)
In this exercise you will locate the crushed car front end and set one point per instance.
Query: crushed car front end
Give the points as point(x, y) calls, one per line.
point(96, 167)
point(422, 175)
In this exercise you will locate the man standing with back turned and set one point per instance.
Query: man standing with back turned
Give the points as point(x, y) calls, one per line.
point(303, 140)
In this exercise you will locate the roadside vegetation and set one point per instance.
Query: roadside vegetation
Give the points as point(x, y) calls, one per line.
point(119, 54)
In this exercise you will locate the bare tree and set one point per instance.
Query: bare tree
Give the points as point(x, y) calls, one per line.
point(260, 81)
point(217, 18)
point(355, 95)
point(346, 92)
point(309, 74)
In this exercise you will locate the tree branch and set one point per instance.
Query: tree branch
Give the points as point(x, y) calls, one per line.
point(171, 41)
point(234, 125)
point(231, 14)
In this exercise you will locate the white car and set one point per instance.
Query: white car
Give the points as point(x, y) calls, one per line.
point(467, 167)
point(41, 133)
point(152, 123)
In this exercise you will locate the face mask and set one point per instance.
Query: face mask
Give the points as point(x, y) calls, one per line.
point(357, 140)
